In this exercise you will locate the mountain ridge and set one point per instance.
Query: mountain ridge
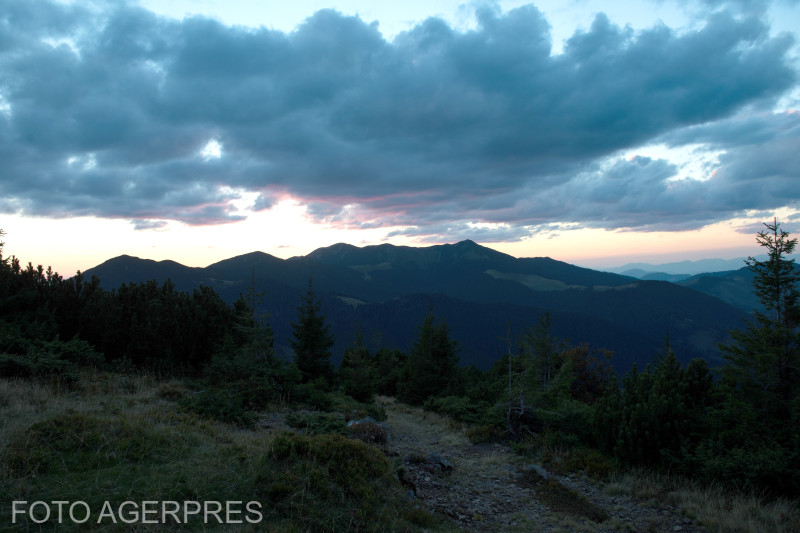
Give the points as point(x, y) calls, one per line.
point(472, 285)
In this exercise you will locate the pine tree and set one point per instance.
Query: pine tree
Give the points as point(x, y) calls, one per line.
point(312, 341)
point(757, 440)
point(765, 362)
point(357, 371)
point(542, 351)
point(431, 363)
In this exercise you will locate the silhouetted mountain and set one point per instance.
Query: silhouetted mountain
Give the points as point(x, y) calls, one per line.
point(386, 291)
point(734, 287)
point(655, 276)
point(128, 269)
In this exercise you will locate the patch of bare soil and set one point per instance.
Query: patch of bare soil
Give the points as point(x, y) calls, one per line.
point(489, 488)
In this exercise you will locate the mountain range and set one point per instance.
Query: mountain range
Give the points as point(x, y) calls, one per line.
point(485, 296)
point(682, 268)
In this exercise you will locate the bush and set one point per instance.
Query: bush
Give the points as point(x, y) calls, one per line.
point(331, 483)
point(313, 395)
point(38, 359)
point(459, 408)
point(221, 404)
point(317, 423)
point(485, 433)
point(594, 463)
point(75, 442)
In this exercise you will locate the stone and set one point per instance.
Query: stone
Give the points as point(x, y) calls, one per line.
point(436, 459)
point(544, 474)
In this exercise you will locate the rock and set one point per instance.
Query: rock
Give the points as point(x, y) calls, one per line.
point(544, 474)
point(436, 459)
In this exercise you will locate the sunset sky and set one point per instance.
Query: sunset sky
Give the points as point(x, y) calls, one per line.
point(197, 130)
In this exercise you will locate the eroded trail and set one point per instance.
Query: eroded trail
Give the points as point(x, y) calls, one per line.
point(492, 489)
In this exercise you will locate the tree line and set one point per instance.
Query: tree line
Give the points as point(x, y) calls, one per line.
point(739, 424)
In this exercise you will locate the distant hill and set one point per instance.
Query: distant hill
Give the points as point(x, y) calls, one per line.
point(638, 273)
point(687, 268)
point(734, 287)
point(386, 290)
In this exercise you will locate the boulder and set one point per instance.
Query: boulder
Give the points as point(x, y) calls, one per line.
point(436, 459)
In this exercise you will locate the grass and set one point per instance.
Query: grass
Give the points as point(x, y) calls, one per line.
point(116, 438)
point(718, 509)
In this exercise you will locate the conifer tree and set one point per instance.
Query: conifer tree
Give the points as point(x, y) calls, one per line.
point(765, 357)
point(312, 341)
point(759, 416)
point(542, 350)
point(357, 371)
point(431, 364)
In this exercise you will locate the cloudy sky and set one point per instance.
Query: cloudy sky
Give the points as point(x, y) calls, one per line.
point(200, 129)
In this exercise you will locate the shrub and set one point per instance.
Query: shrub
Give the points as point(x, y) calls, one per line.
point(459, 408)
point(75, 442)
point(221, 404)
point(485, 433)
point(331, 483)
point(317, 423)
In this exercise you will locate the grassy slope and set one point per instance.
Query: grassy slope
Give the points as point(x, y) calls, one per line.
point(122, 438)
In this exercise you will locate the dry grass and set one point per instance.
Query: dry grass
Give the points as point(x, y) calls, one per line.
point(23, 403)
point(718, 510)
point(428, 427)
point(745, 513)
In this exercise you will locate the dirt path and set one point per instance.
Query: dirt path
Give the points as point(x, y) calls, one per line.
point(489, 487)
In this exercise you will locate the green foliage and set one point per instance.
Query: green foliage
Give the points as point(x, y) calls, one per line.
point(145, 324)
point(312, 341)
point(25, 357)
point(357, 372)
point(659, 416)
point(353, 409)
point(223, 404)
point(312, 423)
point(756, 423)
point(331, 483)
point(313, 395)
point(431, 363)
point(389, 367)
point(596, 464)
point(540, 355)
point(243, 376)
point(153, 452)
point(75, 442)
point(461, 408)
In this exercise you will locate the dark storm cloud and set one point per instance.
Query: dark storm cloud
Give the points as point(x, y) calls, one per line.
point(106, 110)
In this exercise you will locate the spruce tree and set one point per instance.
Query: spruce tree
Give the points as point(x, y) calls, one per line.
point(312, 341)
point(431, 364)
point(357, 371)
point(765, 357)
point(756, 425)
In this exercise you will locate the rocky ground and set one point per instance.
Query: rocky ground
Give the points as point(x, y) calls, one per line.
point(489, 488)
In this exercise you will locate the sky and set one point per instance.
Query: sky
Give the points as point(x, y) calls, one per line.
point(197, 130)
